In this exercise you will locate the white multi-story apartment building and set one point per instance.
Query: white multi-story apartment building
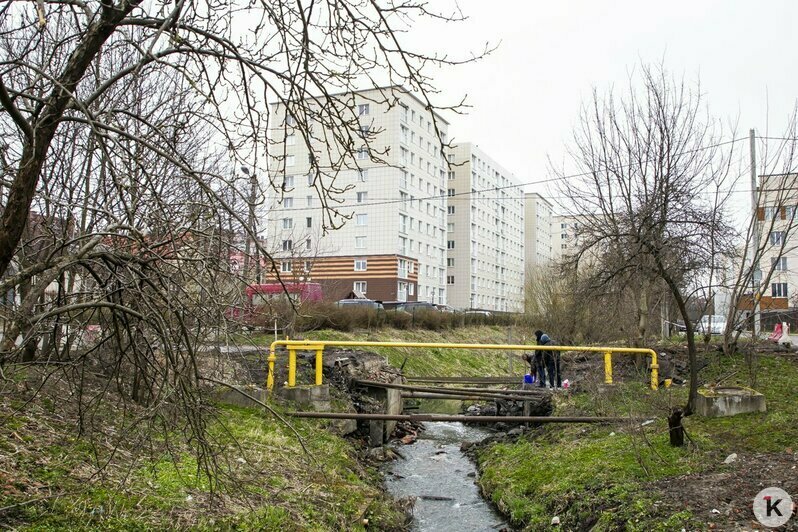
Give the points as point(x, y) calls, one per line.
point(393, 244)
point(485, 233)
point(777, 224)
point(538, 247)
point(563, 235)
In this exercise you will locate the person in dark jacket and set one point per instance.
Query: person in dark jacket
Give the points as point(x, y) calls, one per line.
point(548, 362)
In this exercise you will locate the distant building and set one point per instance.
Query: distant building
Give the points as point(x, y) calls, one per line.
point(485, 233)
point(777, 225)
point(538, 247)
point(393, 245)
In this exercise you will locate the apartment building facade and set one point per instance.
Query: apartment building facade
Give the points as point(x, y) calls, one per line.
point(485, 233)
point(538, 219)
point(777, 224)
point(392, 208)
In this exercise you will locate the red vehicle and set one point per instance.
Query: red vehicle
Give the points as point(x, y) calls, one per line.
point(263, 301)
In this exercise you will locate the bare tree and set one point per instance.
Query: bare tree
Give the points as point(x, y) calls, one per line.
point(651, 193)
point(123, 126)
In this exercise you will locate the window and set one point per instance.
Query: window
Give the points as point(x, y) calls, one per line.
point(776, 237)
point(770, 213)
point(360, 286)
point(307, 244)
point(405, 111)
point(789, 212)
point(362, 154)
point(450, 279)
point(450, 262)
point(308, 265)
point(563, 226)
point(364, 130)
point(290, 120)
point(779, 263)
point(403, 223)
point(290, 160)
point(360, 242)
point(287, 245)
point(290, 140)
point(362, 196)
point(403, 179)
point(362, 110)
point(450, 227)
point(450, 192)
point(362, 219)
point(288, 202)
point(778, 289)
point(450, 209)
point(285, 266)
point(288, 182)
point(450, 244)
point(309, 201)
point(564, 236)
point(405, 133)
point(362, 175)
point(451, 175)
point(361, 265)
point(403, 155)
point(288, 223)
point(308, 222)
point(311, 179)
point(411, 289)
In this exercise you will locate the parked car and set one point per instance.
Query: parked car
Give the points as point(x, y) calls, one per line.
point(712, 324)
point(361, 303)
point(483, 313)
point(417, 306)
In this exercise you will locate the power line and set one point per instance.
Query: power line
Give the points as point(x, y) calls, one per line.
point(389, 201)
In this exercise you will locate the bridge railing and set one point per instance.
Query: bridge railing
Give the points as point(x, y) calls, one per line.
point(318, 346)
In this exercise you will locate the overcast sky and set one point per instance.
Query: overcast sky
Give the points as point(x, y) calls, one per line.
point(526, 95)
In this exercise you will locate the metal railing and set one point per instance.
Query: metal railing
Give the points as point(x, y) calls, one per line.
point(318, 346)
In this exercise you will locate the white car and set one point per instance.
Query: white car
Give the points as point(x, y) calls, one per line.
point(711, 323)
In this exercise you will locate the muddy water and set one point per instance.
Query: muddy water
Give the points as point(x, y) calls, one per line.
point(443, 480)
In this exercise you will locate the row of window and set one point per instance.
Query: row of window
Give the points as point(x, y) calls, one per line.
point(361, 219)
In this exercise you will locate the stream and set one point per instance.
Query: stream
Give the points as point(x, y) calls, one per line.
point(443, 480)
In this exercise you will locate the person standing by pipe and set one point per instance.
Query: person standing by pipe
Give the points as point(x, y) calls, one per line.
point(547, 362)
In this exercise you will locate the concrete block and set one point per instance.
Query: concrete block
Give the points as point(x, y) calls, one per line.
point(729, 401)
point(313, 397)
point(231, 397)
point(376, 433)
point(342, 427)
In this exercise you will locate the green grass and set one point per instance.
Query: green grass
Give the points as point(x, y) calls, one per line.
point(427, 362)
point(276, 485)
point(589, 474)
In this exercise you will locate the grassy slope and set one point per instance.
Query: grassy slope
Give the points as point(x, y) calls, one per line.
point(598, 474)
point(276, 486)
point(39, 457)
point(440, 362)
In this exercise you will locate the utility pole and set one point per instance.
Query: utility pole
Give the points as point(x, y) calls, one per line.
point(756, 295)
point(251, 228)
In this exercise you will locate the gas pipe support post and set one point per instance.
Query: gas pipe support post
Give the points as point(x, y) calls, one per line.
point(291, 367)
point(319, 360)
point(270, 377)
point(607, 367)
